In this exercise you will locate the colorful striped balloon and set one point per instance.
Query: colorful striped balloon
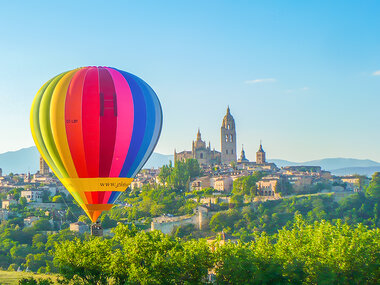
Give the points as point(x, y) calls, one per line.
point(96, 127)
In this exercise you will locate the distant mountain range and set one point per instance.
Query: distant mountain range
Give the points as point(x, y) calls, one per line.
point(337, 166)
point(27, 159)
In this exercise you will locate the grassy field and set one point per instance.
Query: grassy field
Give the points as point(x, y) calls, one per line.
point(12, 277)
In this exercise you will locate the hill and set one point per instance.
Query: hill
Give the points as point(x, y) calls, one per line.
point(27, 159)
point(338, 166)
point(20, 161)
point(367, 171)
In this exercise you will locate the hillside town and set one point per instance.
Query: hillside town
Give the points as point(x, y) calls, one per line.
point(46, 198)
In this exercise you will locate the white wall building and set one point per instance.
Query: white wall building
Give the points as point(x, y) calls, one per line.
point(32, 195)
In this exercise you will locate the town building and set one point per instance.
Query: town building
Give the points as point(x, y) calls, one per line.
point(32, 195)
point(79, 227)
point(354, 183)
point(5, 204)
point(260, 165)
point(267, 186)
point(27, 178)
point(30, 220)
point(223, 184)
point(201, 183)
point(260, 155)
point(44, 168)
point(271, 185)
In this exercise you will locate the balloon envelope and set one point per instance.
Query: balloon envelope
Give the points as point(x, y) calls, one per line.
point(96, 127)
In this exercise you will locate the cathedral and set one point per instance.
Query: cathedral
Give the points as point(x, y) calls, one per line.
point(207, 156)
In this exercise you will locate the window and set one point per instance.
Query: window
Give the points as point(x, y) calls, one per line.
point(226, 151)
point(226, 138)
point(201, 156)
point(231, 138)
point(232, 151)
point(228, 126)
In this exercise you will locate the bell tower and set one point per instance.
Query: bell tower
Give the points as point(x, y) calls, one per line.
point(228, 138)
point(260, 155)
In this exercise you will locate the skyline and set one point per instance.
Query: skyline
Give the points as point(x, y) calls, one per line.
point(301, 77)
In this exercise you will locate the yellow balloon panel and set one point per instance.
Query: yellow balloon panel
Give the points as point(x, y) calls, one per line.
point(97, 184)
point(92, 194)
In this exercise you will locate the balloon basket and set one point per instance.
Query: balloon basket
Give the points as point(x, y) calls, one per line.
point(96, 229)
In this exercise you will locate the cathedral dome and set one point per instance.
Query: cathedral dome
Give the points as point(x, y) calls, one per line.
point(199, 143)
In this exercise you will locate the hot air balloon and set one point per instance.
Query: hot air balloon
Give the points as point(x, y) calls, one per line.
point(96, 127)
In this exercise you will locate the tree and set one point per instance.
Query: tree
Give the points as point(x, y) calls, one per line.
point(45, 196)
point(137, 258)
point(84, 219)
point(180, 176)
point(36, 261)
point(107, 222)
point(373, 189)
point(57, 199)
point(246, 185)
point(237, 200)
point(84, 261)
point(225, 220)
point(193, 167)
point(42, 225)
point(23, 201)
point(242, 264)
point(165, 173)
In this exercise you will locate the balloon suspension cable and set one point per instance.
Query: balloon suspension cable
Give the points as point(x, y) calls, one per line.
point(68, 208)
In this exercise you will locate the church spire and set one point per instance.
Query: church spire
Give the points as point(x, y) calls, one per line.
point(261, 147)
point(260, 155)
point(228, 109)
point(199, 135)
point(242, 155)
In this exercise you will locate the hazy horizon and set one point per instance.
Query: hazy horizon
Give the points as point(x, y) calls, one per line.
point(249, 158)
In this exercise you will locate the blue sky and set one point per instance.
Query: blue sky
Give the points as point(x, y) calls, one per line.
point(303, 76)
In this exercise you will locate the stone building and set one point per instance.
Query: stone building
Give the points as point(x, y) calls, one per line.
point(79, 227)
point(228, 139)
point(44, 168)
point(7, 203)
point(267, 186)
point(32, 195)
point(260, 156)
point(200, 152)
point(207, 156)
point(223, 184)
point(201, 183)
point(200, 219)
